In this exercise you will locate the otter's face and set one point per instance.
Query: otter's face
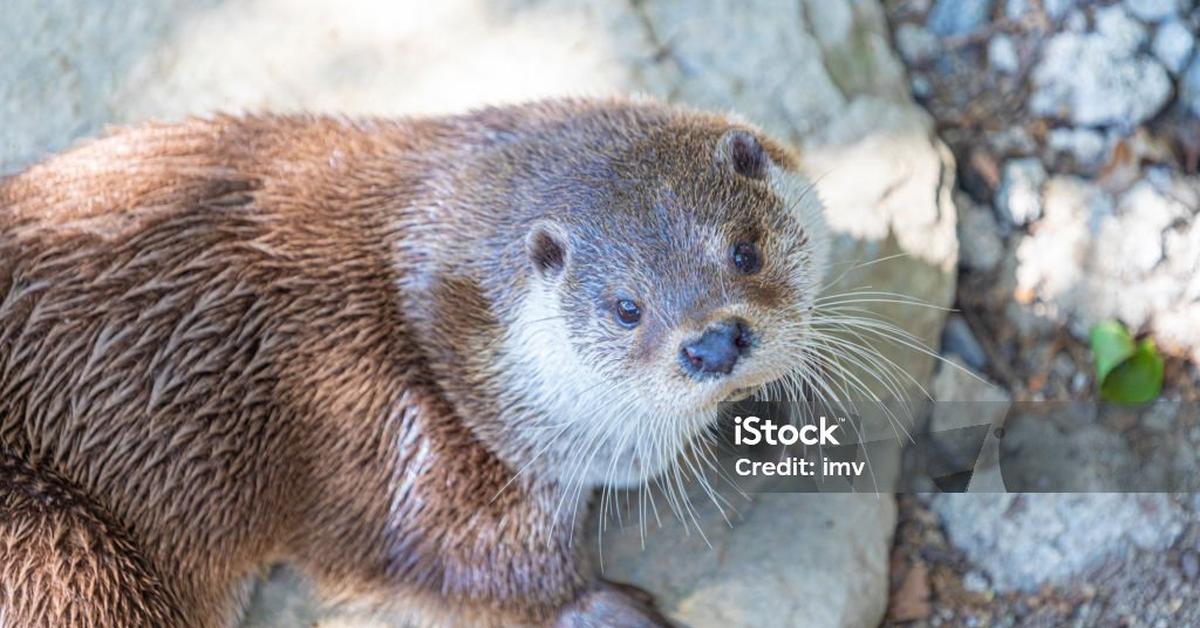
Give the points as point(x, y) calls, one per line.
point(691, 290)
point(687, 288)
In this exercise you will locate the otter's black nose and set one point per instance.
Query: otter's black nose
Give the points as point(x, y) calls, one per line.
point(716, 350)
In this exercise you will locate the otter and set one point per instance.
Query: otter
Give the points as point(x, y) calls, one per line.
point(394, 353)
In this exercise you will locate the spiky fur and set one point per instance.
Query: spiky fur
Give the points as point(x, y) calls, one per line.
point(233, 341)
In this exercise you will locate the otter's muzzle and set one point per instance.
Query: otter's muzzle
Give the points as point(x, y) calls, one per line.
point(715, 352)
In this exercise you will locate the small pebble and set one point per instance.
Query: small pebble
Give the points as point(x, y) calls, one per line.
point(957, 339)
point(1019, 198)
point(1087, 147)
point(916, 44)
point(1189, 89)
point(1057, 8)
point(958, 17)
point(921, 88)
point(1076, 22)
point(1173, 44)
point(980, 247)
point(976, 582)
point(1153, 10)
point(1119, 28)
point(1016, 9)
point(1190, 562)
point(1161, 415)
point(1002, 55)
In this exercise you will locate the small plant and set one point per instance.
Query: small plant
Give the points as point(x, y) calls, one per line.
point(1127, 371)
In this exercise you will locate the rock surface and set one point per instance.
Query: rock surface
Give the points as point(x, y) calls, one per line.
point(1019, 198)
point(958, 17)
point(1189, 91)
point(823, 78)
point(1107, 116)
point(980, 246)
point(1094, 79)
point(1025, 541)
point(965, 400)
point(1155, 10)
point(1173, 44)
point(960, 342)
point(1131, 258)
point(916, 44)
point(1002, 55)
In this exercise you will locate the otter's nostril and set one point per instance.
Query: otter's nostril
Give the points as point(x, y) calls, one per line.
point(717, 350)
point(742, 340)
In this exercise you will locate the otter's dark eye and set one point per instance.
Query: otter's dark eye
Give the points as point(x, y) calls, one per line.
point(745, 258)
point(628, 313)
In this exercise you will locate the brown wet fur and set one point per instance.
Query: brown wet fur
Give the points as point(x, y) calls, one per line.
point(241, 340)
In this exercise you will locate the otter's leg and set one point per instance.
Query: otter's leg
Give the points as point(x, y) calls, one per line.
point(64, 563)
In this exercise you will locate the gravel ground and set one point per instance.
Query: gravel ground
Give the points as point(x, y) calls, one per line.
point(935, 584)
point(1076, 128)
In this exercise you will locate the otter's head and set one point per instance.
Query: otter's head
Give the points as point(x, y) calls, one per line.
point(677, 274)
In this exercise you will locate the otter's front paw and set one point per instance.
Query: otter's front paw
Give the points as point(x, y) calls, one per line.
point(613, 605)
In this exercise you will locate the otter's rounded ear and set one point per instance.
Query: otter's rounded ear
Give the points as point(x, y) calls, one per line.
point(743, 152)
point(547, 247)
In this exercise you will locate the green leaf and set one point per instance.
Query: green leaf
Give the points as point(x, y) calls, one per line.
point(1111, 345)
point(1126, 372)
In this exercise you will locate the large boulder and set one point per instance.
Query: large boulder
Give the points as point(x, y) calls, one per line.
point(820, 74)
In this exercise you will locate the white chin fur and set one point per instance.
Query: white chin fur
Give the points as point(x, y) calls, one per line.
point(602, 432)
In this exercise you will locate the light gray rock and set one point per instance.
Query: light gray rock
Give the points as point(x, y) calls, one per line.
point(964, 400)
point(1019, 196)
point(769, 559)
point(1076, 22)
point(784, 563)
point(958, 17)
point(960, 342)
point(62, 66)
point(1132, 237)
point(1126, 251)
point(1066, 448)
point(1094, 257)
point(1162, 415)
point(1173, 45)
point(1002, 55)
point(1153, 10)
point(1093, 79)
point(979, 244)
point(1051, 260)
point(1176, 326)
point(1014, 140)
point(1189, 86)
point(921, 87)
point(1119, 28)
point(1025, 541)
point(1056, 9)
point(916, 44)
point(1016, 9)
point(976, 582)
point(826, 80)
